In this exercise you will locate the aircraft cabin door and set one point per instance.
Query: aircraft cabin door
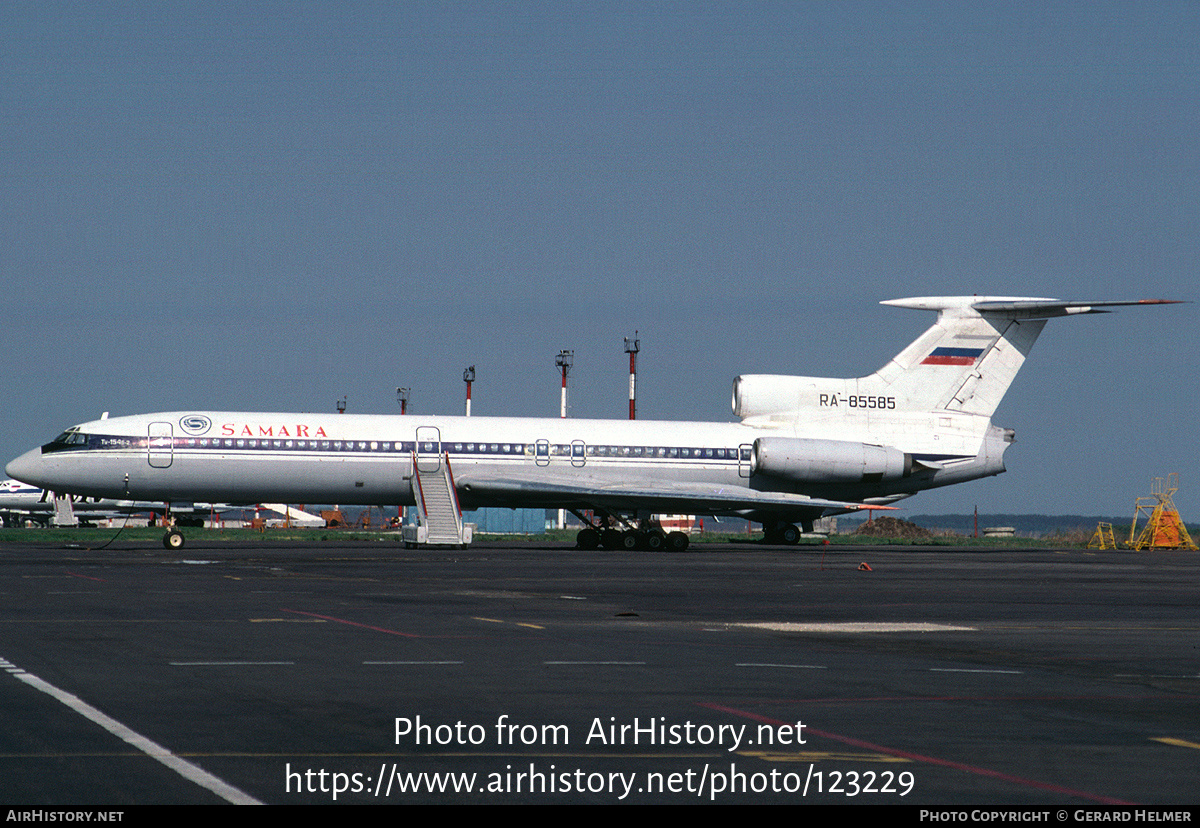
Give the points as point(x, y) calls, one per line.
point(160, 445)
point(429, 449)
point(745, 452)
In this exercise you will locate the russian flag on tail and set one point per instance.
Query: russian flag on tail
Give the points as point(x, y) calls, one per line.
point(952, 356)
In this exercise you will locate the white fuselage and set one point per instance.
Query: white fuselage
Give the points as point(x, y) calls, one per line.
point(239, 457)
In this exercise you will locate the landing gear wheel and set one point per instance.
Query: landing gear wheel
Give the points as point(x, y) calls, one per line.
point(677, 541)
point(655, 541)
point(785, 534)
point(611, 538)
point(587, 539)
point(630, 540)
point(173, 539)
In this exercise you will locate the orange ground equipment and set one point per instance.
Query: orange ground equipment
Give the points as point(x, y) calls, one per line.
point(1164, 528)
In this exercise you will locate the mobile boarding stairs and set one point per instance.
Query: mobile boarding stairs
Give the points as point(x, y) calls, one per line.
point(439, 517)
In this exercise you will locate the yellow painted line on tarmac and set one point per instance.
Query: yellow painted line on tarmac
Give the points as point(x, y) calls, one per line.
point(1167, 740)
point(502, 621)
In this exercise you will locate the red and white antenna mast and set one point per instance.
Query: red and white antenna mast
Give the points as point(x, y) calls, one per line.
point(564, 360)
point(468, 378)
point(632, 346)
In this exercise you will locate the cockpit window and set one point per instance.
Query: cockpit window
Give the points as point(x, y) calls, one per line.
point(71, 438)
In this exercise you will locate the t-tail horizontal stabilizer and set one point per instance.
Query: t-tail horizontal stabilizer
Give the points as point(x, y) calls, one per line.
point(963, 364)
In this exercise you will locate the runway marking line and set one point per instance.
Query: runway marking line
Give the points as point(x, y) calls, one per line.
point(370, 626)
point(1167, 740)
point(229, 663)
point(917, 757)
point(193, 773)
point(287, 620)
point(974, 670)
point(853, 627)
point(501, 621)
point(353, 623)
point(86, 577)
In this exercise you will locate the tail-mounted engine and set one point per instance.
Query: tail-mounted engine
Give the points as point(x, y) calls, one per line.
point(767, 395)
point(828, 461)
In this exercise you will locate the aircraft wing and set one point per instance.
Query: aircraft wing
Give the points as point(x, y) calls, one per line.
point(658, 495)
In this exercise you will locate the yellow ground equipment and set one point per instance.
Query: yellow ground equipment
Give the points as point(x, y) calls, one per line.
point(1164, 528)
point(1103, 539)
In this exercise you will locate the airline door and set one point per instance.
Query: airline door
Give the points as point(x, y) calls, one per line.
point(160, 445)
point(429, 449)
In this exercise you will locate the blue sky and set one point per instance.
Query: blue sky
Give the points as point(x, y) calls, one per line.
point(270, 206)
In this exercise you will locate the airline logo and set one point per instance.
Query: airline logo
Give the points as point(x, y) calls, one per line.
point(952, 356)
point(195, 424)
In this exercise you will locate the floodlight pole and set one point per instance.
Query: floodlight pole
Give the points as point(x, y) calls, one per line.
point(564, 360)
point(632, 346)
point(468, 378)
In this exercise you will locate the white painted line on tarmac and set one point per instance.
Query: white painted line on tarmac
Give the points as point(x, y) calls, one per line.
point(152, 749)
point(965, 670)
point(854, 627)
point(786, 666)
point(229, 663)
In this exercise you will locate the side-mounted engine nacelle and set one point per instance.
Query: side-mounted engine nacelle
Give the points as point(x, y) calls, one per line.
point(828, 461)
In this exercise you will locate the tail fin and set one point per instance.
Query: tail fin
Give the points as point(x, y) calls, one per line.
point(964, 363)
point(971, 355)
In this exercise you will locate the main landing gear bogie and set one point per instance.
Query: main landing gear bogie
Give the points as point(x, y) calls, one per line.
point(652, 540)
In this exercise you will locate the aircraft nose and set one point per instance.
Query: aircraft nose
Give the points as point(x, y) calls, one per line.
point(25, 468)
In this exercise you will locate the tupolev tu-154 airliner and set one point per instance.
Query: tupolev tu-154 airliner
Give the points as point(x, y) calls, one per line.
point(802, 447)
